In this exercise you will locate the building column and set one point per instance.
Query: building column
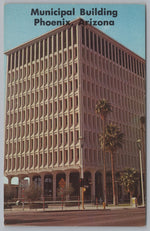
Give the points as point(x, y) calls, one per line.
point(30, 179)
point(9, 180)
point(93, 186)
point(67, 184)
point(42, 185)
point(54, 186)
point(20, 191)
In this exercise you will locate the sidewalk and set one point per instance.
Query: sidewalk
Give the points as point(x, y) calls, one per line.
point(70, 208)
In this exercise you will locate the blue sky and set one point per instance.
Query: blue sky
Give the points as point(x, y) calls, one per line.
point(129, 28)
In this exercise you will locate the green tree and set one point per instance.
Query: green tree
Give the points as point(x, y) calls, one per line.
point(33, 192)
point(129, 180)
point(64, 191)
point(103, 108)
point(113, 141)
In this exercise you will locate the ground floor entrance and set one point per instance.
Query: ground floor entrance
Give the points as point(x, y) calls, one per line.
point(66, 184)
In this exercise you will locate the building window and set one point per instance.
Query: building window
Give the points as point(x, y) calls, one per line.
point(24, 56)
point(74, 35)
point(55, 44)
point(13, 61)
point(99, 45)
point(95, 42)
point(91, 37)
point(71, 103)
point(126, 60)
point(142, 69)
point(60, 122)
point(28, 54)
point(103, 49)
point(66, 138)
point(60, 58)
point(55, 157)
point(65, 58)
point(106, 49)
point(49, 158)
point(66, 156)
point(60, 157)
point(32, 52)
point(77, 154)
point(77, 118)
point(59, 41)
point(135, 66)
point(113, 53)
point(129, 61)
point(37, 50)
point(70, 55)
point(70, 70)
point(9, 61)
point(50, 45)
point(55, 60)
point(116, 54)
point(64, 39)
point(17, 59)
point(69, 37)
point(87, 37)
point(83, 37)
point(76, 101)
point(45, 159)
point(71, 155)
point(123, 63)
point(45, 46)
point(119, 56)
point(20, 57)
point(110, 51)
point(76, 84)
point(71, 120)
point(41, 48)
point(75, 68)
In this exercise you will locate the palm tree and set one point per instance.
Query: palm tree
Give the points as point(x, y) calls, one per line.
point(113, 141)
point(129, 180)
point(103, 108)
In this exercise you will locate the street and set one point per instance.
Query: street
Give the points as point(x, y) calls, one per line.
point(108, 217)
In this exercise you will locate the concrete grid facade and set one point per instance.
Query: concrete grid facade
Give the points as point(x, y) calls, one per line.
point(53, 84)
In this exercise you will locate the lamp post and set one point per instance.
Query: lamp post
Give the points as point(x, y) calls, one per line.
point(140, 157)
point(82, 172)
point(143, 122)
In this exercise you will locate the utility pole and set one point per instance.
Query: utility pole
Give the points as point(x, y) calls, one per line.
point(82, 173)
point(141, 170)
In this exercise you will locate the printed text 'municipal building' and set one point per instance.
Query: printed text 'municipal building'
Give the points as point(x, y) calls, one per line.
point(53, 84)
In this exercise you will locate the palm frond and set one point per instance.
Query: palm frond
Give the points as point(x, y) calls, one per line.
point(103, 107)
point(113, 138)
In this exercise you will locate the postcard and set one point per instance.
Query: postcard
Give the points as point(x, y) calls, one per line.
point(75, 121)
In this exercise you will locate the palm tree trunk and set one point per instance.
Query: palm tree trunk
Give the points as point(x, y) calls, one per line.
point(131, 195)
point(105, 194)
point(113, 179)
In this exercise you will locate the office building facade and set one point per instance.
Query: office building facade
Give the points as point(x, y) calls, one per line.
point(53, 84)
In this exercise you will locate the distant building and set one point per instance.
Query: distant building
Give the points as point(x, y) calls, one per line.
point(53, 84)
